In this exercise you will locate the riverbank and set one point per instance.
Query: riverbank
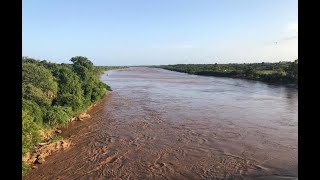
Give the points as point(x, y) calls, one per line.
point(282, 73)
point(52, 141)
point(237, 76)
point(52, 96)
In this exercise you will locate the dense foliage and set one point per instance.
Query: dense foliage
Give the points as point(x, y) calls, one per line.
point(53, 93)
point(30, 135)
point(282, 72)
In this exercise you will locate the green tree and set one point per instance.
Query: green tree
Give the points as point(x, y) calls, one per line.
point(68, 81)
point(30, 92)
point(39, 77)
point(82, 61)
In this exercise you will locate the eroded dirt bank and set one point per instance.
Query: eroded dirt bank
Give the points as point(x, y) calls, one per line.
point(163, 125)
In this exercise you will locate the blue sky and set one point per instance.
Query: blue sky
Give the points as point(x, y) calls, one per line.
point(145, 32)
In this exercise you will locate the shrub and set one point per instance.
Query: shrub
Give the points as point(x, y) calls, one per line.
point(97, 93)
point(30, 134)
point(58, 115)
point(69, 100)
point(25, 168)
point(34, 109)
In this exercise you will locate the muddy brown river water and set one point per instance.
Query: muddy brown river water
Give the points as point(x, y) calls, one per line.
point(159, 124)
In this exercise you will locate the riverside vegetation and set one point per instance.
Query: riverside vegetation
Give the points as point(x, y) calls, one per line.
point(54, 93)
point(277, 73)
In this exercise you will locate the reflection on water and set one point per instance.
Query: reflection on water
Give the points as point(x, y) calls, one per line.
point(159, 124)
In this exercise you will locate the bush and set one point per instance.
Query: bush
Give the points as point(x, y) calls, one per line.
point(69, 100)
point(30, 134)
point(58, 115)
point(99, 90)
point(97, 93)
point(87, 89)
point(34, 109)
point(25, 168)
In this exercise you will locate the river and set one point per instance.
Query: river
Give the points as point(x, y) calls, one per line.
point(160, 124)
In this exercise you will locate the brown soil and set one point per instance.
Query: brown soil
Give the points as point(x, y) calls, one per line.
point(40, 152)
